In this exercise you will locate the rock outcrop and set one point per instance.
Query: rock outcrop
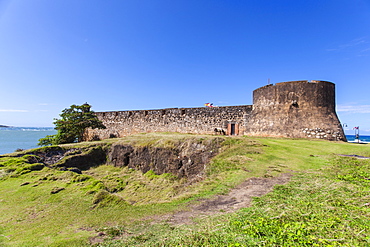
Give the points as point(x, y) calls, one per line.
point(182, 158)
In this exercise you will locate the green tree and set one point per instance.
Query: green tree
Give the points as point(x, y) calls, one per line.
point(72, 125)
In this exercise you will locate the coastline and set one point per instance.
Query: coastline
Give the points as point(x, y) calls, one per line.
point(13, 138)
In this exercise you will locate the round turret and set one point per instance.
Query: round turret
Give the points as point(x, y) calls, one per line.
point(296, 109)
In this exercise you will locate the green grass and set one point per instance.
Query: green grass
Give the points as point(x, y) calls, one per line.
point(325, 207)
point(316, 208)
point(322, 205)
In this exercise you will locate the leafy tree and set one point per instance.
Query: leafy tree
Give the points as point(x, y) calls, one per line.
point(72, 125)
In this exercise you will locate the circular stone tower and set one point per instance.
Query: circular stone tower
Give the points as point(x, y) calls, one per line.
point(295, 109)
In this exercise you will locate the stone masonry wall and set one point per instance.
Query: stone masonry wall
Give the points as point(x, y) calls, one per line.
point(201, 120)
point(296, 109)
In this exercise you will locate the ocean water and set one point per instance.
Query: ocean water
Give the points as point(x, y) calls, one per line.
point(14, 138)
point(362, 138)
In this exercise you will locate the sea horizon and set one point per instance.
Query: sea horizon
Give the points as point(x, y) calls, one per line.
point(13, 138)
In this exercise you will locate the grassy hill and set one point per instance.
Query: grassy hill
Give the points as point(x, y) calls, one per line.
point(325, 203)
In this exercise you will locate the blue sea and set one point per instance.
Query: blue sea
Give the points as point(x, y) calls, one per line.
point(14, 138)
point(362, 138)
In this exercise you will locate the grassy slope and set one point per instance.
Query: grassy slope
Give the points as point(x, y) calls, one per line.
point(32, 216)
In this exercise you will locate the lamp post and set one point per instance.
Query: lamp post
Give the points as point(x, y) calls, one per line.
point(357, 133)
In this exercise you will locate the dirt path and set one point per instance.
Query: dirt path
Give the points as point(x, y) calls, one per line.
point(239, 197)
point(354, 155)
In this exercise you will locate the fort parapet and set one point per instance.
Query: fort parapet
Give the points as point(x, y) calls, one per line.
point(295, 109)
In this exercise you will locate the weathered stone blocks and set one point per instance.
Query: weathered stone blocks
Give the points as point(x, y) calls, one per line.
point(295, 109)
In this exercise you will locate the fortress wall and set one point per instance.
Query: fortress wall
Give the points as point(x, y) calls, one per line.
point(294, 109)
point(297, 109)
point(201, 120)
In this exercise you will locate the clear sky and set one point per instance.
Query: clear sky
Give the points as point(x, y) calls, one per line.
point(150, 54)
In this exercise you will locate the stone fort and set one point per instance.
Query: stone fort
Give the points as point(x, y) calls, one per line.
point(294, 109)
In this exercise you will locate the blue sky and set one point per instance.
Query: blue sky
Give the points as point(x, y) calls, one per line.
point(150, 54)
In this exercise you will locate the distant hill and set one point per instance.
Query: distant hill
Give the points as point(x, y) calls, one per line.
point(4, 126)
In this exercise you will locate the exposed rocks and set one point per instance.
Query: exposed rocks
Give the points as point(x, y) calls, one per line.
point(184, 160)
point(319, 133)
point(92, 157)
point(75, 170)
point(56, 190)
point(50, 155)
point(75, 159)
